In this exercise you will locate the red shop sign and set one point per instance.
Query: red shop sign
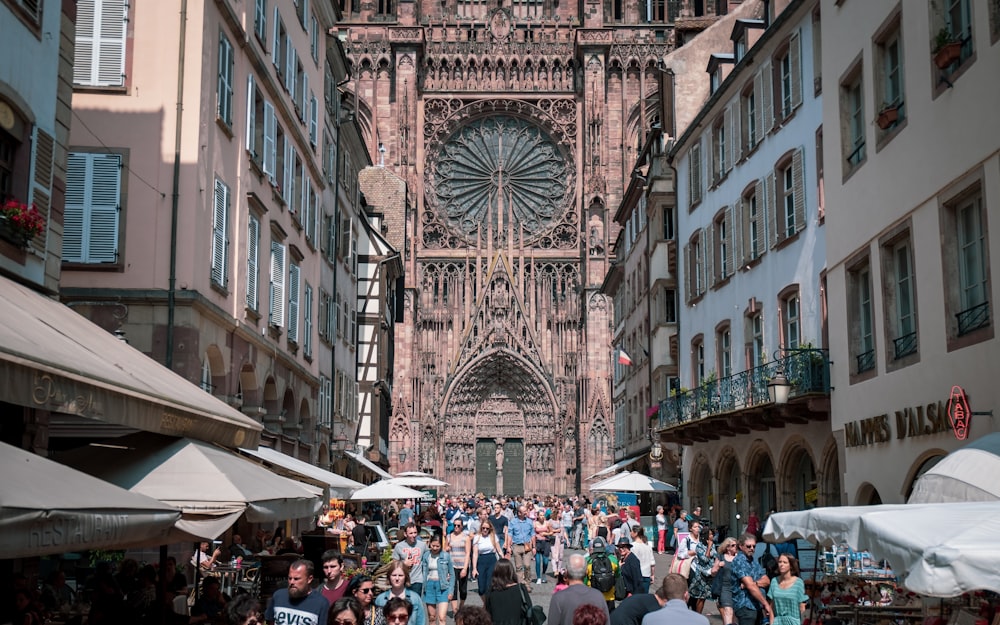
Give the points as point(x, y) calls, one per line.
point(958, 412)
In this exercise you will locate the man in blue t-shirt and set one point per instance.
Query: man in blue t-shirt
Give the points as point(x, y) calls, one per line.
point(749, 580)
point(298, 603)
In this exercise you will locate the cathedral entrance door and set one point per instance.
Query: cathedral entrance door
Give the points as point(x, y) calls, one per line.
point(513, 467)
point(486, 468)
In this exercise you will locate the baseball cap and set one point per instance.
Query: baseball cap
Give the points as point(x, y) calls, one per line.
point(598, 543)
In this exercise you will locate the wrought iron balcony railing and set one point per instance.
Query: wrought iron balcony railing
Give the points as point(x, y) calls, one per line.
point(905, 345)
point(808, 370)
point(974, 318)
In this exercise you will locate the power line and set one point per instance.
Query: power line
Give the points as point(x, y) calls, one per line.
point(111, 151)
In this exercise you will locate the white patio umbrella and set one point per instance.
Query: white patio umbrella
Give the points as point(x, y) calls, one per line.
point(385, 489)
point(633, 481)
point(211, 485)
point(417, 479)
point(966, 474)
point(939, 549)
point(47, 507)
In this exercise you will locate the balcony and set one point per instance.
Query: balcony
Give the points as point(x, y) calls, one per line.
point(739, 403)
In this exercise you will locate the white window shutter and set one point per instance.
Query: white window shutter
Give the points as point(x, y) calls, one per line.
point(219, 242)
point(798, 190)
point(293, 302)
point(286, 185)
point(767, 86)
point(290, 67)
point(100, 43)
point(307, 320)
point(270, 139)
point(253, 250)
point(105, 209)
point(251, 117)
point(76, 207)
point(313, 116)
point(276, 50)
point(795, 61)
point(276, 313)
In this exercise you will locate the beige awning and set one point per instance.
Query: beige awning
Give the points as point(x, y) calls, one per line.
point(368, 464)
point(55, 359)
point(284, 464)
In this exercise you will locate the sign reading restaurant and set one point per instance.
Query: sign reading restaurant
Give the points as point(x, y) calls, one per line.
point(908, 422)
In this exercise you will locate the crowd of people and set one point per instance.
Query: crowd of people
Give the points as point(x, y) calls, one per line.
point(599, 560)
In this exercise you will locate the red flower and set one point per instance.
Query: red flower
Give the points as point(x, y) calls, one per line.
point(23, 219)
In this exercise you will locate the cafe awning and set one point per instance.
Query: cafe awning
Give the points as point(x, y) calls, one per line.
point(371, 466)
point(621, 464)
point(339, 485)
point(47, 507)
point(54, 359)
point(212, 486)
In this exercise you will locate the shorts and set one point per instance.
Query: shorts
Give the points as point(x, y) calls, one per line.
point(434, 593)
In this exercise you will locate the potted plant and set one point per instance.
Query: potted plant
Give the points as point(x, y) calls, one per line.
point(947, 48)
point(888, 116)
point(19, 223)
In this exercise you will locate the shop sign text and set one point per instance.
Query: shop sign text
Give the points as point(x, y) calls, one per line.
point(908, 422)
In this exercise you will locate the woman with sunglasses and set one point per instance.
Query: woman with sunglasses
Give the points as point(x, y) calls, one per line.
point(458, 545)
point(346, 611)
point(485, 552)
point(397, 611)
point(362, 588)
point(439, 583)
point(399, 581)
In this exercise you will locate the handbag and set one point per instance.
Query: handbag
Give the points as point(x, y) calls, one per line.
point(621, 590)
point(533, 615)
point(681, 566)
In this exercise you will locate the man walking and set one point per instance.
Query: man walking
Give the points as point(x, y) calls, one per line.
point(298, 603)
point(411, 552)
point(522, 537)
point(675, 611)
point(749, 582)
point(576, 593)
point(632, 610)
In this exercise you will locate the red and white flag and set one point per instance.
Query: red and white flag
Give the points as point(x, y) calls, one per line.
point(624, 358)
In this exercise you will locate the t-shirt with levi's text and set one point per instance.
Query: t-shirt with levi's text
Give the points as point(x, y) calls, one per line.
point(310, 610)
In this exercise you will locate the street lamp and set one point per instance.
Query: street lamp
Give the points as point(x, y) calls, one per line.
point(778, 387)
point(402, 457)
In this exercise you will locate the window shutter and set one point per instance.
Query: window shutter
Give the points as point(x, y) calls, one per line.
point(708, 236)
point(251, 117)
point(100, 43)
point(761, 218)
point(731, 240)
point(694, 170)
point(758, 108)
point(90, 220)
point(302, 99)
point(795, 58)
point(772, 211)
point(735, 137)
point(224, 88)
point(293, 302)
point(276, 50)
point(219, 256)
point(76, 205)
point(321, 317)
point(270, 139)
point(313, 116)
point(727, 138)
point(307, 320)
point(276, 314)
point(286, 184)
point(290, 67)
point(767, 103)
point(43, 147)
point(740, 230)
point(253, 249)
point(798, 190)
point(260, 20)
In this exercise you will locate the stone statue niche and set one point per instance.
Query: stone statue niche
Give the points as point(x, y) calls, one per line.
point(595, 232)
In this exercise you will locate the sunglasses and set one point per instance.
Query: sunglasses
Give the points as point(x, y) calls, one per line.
point(366, 590)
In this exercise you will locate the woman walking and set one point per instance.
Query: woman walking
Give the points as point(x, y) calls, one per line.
point(788, 593)
point(558, 540)
point(485, 552)
point(439, 581)
point(459, 544)
point(722, 582)
point(399, 582)
point(699, 585)
point(543, 547)
point(661, 530)
point(507, 598)
point(362, 588)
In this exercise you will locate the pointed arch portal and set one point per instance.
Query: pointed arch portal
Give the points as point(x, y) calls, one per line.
point(500, 425)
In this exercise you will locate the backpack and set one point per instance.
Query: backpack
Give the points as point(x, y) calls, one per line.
point(769, 562)
point(602, 572)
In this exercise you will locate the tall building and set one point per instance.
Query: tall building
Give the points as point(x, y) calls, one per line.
point(912, 154)
point(750, 221)
point(515, 126)
point(203, 221)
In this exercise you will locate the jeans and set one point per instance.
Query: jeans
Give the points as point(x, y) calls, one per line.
point(644, 585)
point(461, 590)
point(417, 587)
point(484, 569)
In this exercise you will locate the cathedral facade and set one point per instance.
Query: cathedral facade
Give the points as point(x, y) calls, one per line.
point(514, 128)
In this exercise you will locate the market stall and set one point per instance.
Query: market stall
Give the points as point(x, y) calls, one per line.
point(882, 563)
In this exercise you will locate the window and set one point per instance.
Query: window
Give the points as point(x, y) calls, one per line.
point(724, 340)
point(889, 85)
point(698, 354)
point(313, 119)
point(256, 124)
point(668, 223)
point(668, 306)
point(748, 116)
point(253, 251)
point(220, 238)
point(724, 257)
point(294, 276)
point(307, 321)
point(757, 355)
point(971, 301)
point(314, 38)
point(753, 223)
point(279, 53)
point(790, 313)
point(853, 122)
point(270, 151)
point(860, 320)
point(302, 11)
point(719, 155)
point(224, 87)
point(901, 326)
point(695, 267)
point(93, 207)
point(789, 216)
point(788, 66)
point(694, 174)
point(276, 302)
point(958, 22)
point(206, 376)
point(260, 22)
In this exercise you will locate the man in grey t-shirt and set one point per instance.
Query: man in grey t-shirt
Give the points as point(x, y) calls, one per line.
point(411, 551)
